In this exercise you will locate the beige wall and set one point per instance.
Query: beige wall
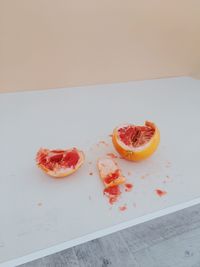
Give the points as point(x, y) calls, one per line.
point(58, 43)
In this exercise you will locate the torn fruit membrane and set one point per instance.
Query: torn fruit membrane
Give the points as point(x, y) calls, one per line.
point(56, 159)
point(136, 136)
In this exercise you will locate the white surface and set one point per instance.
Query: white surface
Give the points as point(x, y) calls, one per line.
point(74, 210)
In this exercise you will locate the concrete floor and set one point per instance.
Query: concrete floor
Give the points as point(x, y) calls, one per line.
point(170, 241)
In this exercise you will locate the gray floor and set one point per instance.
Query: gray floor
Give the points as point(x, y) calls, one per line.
point(170, 241)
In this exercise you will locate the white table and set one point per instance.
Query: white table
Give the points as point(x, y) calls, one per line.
point(39, 215)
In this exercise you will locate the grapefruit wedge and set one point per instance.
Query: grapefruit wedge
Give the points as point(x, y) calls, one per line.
point(109, 172)
point(111, 177)
point(59, 163)
point(136, 143)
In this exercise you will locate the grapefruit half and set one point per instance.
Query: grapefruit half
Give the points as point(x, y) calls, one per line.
point(59, 163)
point(136, 143)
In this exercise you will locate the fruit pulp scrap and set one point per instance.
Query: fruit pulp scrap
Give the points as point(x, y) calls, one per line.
point(110, 172)
point(112, 193)
point(135, 136)
point(112, 190)
point(128, 187)
point(160, 192)
point(112, 199)
point(111, 177)
point(52, 159)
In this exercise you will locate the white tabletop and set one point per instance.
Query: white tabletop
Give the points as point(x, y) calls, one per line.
point(40, 215)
